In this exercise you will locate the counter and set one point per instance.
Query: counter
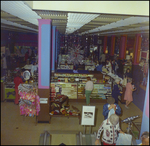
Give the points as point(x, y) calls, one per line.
point(73, 86)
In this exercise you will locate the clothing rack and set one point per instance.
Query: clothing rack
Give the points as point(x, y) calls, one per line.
point(27, 104)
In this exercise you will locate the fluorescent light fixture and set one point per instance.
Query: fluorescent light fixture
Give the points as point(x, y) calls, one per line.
point(77, 20)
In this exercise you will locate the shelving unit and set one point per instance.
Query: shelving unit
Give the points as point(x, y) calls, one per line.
point(76, 88)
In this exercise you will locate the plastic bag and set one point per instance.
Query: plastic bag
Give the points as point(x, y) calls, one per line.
point(124, 139)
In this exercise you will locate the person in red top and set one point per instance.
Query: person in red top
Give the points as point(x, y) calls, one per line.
point(17, 81)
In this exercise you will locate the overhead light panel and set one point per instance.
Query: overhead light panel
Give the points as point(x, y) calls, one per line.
point(77, 20)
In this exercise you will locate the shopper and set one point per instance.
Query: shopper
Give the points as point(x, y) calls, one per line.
point(4, 65)
point(116, 66)
point(26, 56)
point(120, 69)
point(108, 66)
point(128, 73)
point(7, 53)
point(116, 91)
point(66, 65)
point(128, 93)
point(88, 90)
point(145, 138)
point(102, 58)
point(99, 67)
point(111, 105)
point(17, 81)
point(22, 71)
point(59, 59)
point(110, 128)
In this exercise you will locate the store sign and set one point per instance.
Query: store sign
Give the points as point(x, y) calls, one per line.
point(43, 100)
point(88, 115)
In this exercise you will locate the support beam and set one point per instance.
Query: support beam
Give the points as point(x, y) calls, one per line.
point(123, 45)
point(137, 49)
point(44, 53)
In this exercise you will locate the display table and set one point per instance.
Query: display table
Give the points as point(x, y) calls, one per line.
point(56, 105)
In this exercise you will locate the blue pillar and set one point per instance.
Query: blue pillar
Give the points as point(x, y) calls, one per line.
point(56, 56)
point(145, 119)
point(53, 47)
point(44, 47)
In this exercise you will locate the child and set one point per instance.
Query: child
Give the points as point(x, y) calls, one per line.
point(17, 81)
point(145, 138)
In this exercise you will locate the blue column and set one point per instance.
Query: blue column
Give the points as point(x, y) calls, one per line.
point(145, 119)
point(53, 47)
point(56, 56)
point(44, 47)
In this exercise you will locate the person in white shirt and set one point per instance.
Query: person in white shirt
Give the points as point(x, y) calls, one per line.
point(34, 68)
point(110, 128)
point(88, 90)
point(108, 66)
point(102, 58)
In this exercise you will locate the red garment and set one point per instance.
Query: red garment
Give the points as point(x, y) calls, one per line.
point(107, 144)
point(17, 81)
point(17, 97)
point(26, 56)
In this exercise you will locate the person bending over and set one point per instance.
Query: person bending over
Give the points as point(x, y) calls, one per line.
point(111, 108)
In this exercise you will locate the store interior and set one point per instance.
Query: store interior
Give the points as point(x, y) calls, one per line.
point(55, 57)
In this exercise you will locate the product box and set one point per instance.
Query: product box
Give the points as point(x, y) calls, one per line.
point(10, 93)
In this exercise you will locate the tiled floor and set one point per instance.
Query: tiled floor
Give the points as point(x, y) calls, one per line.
point(16, 130)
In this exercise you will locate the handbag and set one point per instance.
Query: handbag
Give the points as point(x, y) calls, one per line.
point(124, 139)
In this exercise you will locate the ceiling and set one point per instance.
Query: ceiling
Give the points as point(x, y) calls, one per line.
point(18, 16)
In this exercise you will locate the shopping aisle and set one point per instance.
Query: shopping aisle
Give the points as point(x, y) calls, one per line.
point(16, 131)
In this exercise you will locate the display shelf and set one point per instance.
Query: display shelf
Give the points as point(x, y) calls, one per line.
point(53, 109)
point(100, 91)
point(68, 116)
point(9, 91)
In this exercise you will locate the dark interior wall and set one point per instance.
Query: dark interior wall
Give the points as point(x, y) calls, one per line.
point(12, 38)
point(109, 44)
point(139, 94)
